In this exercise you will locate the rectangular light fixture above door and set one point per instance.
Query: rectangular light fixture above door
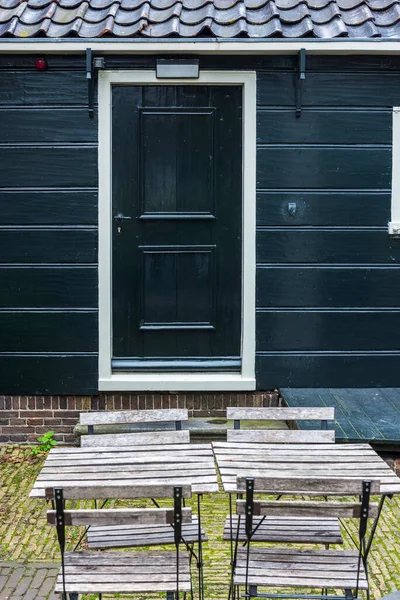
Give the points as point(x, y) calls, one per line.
point(177, 68)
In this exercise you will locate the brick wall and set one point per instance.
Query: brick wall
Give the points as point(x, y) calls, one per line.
point(24, 418)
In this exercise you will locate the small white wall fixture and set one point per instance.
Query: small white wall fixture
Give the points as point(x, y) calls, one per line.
point(394, 224)
point(111, 380)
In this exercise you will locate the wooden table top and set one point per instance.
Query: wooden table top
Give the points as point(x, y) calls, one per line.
point(353, 461)
point(153, 464)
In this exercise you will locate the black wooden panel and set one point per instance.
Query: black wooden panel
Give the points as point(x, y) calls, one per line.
point(323, 208)
point(330, 89)
point(48, 374)
point(327, 370)
point(48, 246)
point(48, 287)
point(48, 332)
point(289, 245)
point(48, 166)
point(323, 330)
point(51, 207)
point(174, 177)
point(47, 125)
point(43, 87)
point(328, 287)
point(316, 168)
point(324, 127)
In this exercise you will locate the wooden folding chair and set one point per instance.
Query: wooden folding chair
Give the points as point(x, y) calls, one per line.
point(145, 427)
point(123, 572)
point(281, 436)
point(280, 567)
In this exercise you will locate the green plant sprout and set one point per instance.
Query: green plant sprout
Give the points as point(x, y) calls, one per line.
point(47, 442)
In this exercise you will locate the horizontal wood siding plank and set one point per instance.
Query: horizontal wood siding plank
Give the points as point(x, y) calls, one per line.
point(319, 330)
point(324, 127)
point(289, 245)
point(327, 370)
point(41, 88)
point(48, 246)
point(49, 374)
point(27, 166)
point(338, 208)
point(47, 125)
point(317, 286)
point(324, 167)
point(48, 207)
point(48, 287)
point(330, 89)
point(48, 332)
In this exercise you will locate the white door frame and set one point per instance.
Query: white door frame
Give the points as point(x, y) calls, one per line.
point(110, 380)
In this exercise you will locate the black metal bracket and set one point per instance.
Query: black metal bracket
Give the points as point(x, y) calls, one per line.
point(90, 81)
point(299, 82)
point(60, 528)
point(249, 507)
point(177, 514)
point(366, 492)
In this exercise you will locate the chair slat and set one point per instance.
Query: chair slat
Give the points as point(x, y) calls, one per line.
point(135, 439)
point(305, 485)
point(120, 417)
point(308, 509)
point(293, 530)
point(119, 491)
point(281, 436)
point(281, 414)
point(120, 516)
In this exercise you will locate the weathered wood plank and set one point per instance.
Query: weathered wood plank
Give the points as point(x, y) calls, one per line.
point(126, 439)
point(133, 416)
point(347, 369)
point(281, 413)
point(302, 530)
point(289, 329)
point(323, 167)
point(349, 208)
point(48, 246)
point(280, 126)
point(120, 516)
point(122, 491)
point(341, 510)
point(47, 125)
point(281, 436)
point(96, 475)
point(76, 332)
point(321, 246)
point(26, 166)
point(48, 207)
point(48, 287)
point(307, 484)
point(47, 374)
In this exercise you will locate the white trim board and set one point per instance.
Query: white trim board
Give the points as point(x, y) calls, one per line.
point(139, 381)
point(394, 224)
point(199, 46)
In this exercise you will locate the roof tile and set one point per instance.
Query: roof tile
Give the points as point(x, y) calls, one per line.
point(190, 18)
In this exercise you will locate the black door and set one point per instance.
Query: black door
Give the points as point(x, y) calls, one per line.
point(177, 228)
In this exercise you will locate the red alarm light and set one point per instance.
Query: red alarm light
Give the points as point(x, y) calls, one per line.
point(41, 63)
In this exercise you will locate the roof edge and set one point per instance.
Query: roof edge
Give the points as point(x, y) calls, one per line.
point(210, 46)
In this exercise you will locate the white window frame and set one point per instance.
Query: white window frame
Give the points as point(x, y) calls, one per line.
point(110, 380)
point(394, 224)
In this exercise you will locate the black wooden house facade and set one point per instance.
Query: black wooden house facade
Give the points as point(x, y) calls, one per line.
point(226, 218)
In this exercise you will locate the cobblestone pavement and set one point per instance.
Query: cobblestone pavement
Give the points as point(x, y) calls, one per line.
point(31, 581)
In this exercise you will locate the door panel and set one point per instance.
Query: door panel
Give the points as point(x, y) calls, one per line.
point(177, 176)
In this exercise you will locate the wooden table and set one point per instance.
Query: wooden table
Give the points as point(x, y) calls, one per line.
point(353, 461)
point(152, 464)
